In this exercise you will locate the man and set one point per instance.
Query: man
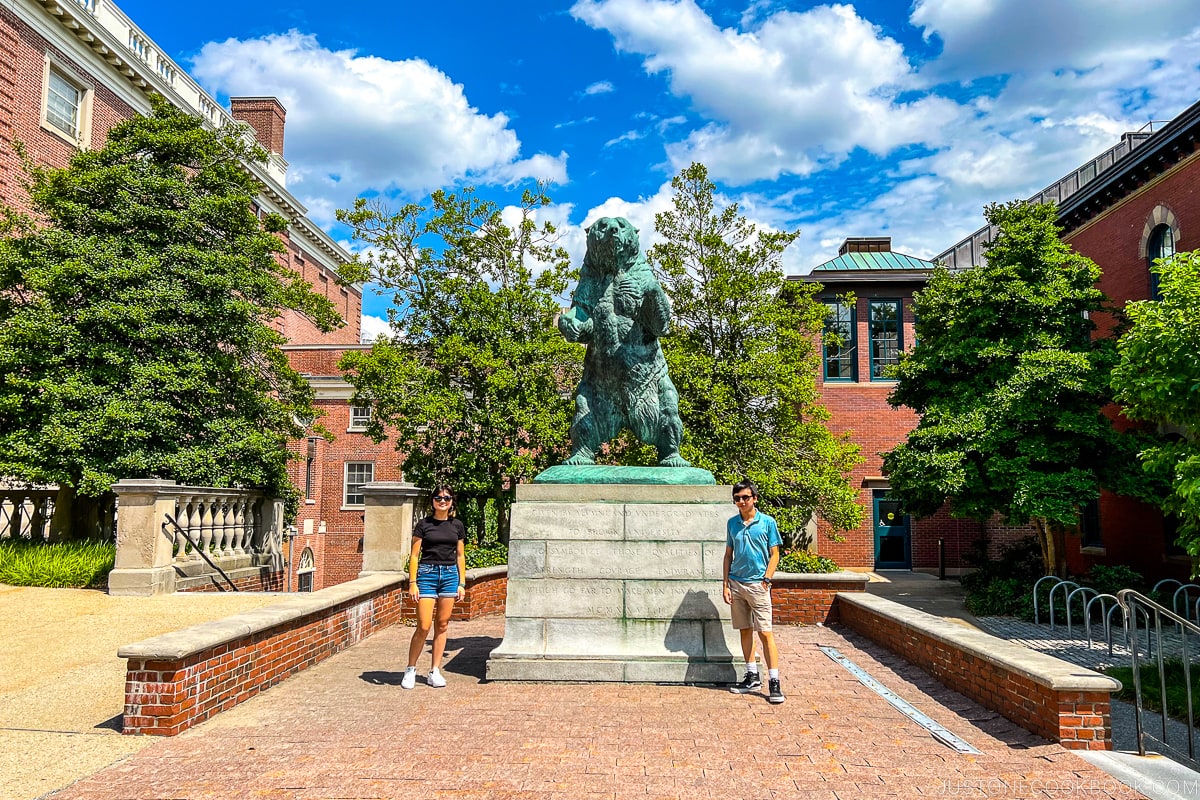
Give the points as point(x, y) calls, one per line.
point(751, 554)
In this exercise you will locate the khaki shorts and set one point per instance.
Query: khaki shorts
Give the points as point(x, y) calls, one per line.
point(751, 606)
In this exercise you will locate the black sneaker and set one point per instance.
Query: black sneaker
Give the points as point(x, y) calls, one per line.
point(776, 692)
point(748, 684)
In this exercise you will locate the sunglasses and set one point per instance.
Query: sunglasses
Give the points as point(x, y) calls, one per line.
point(741, 498)
point(444, 497)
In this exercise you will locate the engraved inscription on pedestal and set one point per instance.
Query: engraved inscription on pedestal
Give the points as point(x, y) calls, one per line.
point(674, 600)
point(565, 598)
point(591, 521)
point(664, 522)
point(577, 559)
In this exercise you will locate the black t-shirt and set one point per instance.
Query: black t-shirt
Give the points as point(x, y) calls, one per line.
point(439, 540)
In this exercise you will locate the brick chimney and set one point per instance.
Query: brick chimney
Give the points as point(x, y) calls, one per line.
point(265, 115)
point(866, 244)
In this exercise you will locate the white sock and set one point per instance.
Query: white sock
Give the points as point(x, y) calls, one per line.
point(773, 674)
point(410, 669)
point(752, 667)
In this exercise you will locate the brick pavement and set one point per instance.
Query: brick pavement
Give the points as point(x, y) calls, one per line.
point(345, 729)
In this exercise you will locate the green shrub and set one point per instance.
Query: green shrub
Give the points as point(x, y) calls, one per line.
point(490, 555)
point(802, 561)
point(1110, 580)
point(1002, 597)
point(77, 564)
point(1003, 587)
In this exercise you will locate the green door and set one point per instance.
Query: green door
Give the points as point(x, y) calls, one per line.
point(893, 548)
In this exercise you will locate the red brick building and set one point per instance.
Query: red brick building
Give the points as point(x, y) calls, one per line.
point(873, 331)
point(71, 70)
point(1133, 203)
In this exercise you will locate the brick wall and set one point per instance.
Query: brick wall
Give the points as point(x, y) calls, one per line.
point(22, 56)
point(809, 599)
point(264, 580)
point(1077, 714)
point(165, 695)
point(1132, 532)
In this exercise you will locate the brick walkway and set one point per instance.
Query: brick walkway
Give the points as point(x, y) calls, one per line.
point(345, 729)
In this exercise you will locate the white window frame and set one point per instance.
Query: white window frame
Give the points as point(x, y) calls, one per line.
point(346, 483)
point(83, 110)
point(357, 421)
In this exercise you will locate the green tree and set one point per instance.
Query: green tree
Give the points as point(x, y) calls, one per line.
point(1009, 385)
point(743, 353)
point(474, 383)
point(135, 318)
point(1158, 381)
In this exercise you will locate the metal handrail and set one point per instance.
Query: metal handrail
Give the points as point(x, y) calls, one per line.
point(196, 546)
point(1134, 603)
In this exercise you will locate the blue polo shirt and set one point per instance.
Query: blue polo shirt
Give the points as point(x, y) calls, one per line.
point(751, 543)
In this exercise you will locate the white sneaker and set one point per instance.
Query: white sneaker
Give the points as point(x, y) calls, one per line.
point(410, 678)
point(435, 679)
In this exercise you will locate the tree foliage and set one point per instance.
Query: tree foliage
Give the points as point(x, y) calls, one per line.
point(474, 381)
point(1009, 385)
point(135, 317)
point(1158, 381)
point(743, 353)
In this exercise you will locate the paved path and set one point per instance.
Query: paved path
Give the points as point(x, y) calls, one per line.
point(62, 687)
point(345, 729)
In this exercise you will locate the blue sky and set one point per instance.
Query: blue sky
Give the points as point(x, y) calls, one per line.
point(878, 118)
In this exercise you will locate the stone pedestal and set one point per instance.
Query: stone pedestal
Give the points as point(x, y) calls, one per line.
point(617, 583)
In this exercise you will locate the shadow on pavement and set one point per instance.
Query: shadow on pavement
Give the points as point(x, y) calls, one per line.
point(471, 658)
point(116, 723)
point(381, 678)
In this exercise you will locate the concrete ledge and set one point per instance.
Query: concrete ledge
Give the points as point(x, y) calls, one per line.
point(180, 644)
point(1051, 672)
point(1045, 695)
point(845, 576)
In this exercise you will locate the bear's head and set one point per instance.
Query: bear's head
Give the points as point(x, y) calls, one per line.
point(612, 242)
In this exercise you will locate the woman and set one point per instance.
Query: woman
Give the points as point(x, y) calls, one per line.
point(437, 576)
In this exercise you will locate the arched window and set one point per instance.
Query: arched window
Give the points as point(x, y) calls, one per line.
point(304, 577)
point(1160, 245)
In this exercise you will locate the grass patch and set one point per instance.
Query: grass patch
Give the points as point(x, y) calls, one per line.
point(1151, 693)
point(57, 565)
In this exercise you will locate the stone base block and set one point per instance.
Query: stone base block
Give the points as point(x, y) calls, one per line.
point(141, 582)
point(617, 583)
point(562, 670)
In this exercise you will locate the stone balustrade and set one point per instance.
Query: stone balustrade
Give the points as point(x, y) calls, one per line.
point(163, 528)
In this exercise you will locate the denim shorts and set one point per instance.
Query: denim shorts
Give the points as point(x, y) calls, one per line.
point(437, 580)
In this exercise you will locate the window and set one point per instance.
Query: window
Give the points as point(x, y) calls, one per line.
point(884, 322)
point(839, 357)
point(307, 567)
point(360, 417)
point(1161, 245)
point(357, 474)
point(66, 105)
point(310, 464)
point(1089, 525)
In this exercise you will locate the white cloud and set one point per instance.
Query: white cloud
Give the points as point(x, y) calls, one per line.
point(358, 123)
point(981, 38)
point(600, 87)
point(797, 91)
point(373, 327)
